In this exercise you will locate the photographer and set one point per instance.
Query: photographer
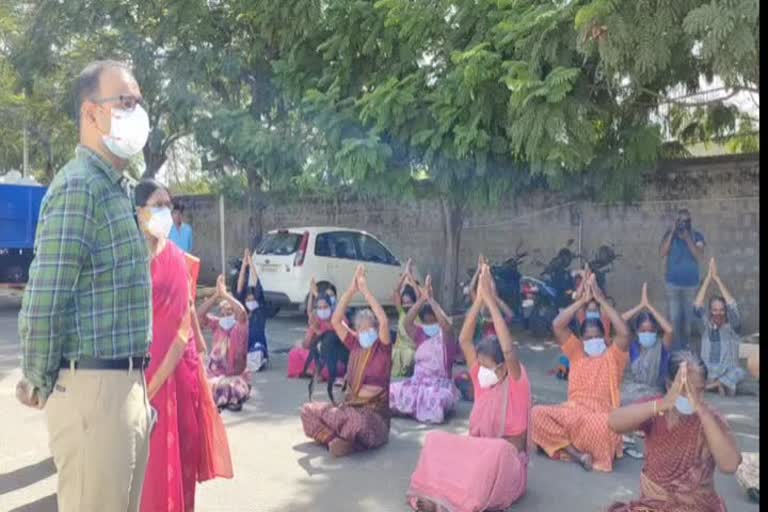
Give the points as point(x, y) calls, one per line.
point(682, 247)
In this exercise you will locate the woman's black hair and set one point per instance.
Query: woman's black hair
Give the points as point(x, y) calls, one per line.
point(677, 358)
point(323, 297)
point(643, 317)
point(408, 291)
point(591, 322)
point(144, 190)
point(426, 310)
point(490, 346)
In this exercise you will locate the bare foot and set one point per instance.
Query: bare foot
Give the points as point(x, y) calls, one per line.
point(340, 448)
point(423, 505)
point(586, 461)
point(720, 389)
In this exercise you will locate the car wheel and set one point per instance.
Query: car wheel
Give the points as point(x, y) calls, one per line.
point(271, 311)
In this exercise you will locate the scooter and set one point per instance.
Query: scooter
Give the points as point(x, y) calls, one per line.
point(600, 265)
point(543, 298)
point(507, 277)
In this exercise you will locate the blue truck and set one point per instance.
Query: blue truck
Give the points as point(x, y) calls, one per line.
point(19, 210)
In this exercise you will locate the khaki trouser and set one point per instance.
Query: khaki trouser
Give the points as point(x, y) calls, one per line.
point(98, 423)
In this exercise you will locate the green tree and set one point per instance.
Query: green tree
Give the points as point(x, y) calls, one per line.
point(468, 102)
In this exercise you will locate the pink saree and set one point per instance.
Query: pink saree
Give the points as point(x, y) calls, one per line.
point(481, 471)
point(169, 484)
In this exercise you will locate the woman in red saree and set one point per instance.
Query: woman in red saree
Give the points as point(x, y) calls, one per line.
point(685, 440)
point(172, 377)
point(488, 469)
point(361, 422)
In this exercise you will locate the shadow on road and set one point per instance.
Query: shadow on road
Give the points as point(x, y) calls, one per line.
point(27, 476)
point(47, 504)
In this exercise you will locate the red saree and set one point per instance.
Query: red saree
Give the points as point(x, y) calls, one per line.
point(678, 475)
point(169, 484)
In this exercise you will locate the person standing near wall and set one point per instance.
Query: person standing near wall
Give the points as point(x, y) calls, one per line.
point(181, 232)
point(86, 318)
point(682, 248)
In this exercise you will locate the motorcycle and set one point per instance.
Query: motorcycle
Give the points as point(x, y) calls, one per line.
point(600, 265)
point(507, 277)
point(543, 298)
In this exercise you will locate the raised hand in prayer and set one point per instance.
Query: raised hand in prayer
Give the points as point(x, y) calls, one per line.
point(221, 286)
point(669, 400)
point(313, 288)
point(644, 296)
point(361, 280)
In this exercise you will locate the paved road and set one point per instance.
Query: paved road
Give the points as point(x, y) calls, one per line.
point(277, 470)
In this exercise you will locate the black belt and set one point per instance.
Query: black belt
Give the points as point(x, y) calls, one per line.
point(126, 363)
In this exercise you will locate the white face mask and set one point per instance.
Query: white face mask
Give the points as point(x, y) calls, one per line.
point(324, 313)
point(227, 322)
point(594, 347)
point(251, 305)
point(684, 406)
point(431, 330)
point(160, 223)
point(487, 378)
point(368, 337)
point(128, 132)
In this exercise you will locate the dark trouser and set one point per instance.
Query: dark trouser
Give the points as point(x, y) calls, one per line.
point(680, 306)
point(257, 334)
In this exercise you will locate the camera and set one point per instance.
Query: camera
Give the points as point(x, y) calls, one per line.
point(683, 226)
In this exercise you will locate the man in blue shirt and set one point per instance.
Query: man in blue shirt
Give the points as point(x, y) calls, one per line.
point(682, 247)
point(181, 232)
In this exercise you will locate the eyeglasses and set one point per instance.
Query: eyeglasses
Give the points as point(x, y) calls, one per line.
point(126, 101)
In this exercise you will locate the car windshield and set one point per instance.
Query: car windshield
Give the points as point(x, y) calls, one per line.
point(279, 244)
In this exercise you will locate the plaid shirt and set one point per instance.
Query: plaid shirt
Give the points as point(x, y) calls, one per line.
point(89, 291)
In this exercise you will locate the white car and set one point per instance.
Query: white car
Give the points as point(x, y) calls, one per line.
point(288, 259)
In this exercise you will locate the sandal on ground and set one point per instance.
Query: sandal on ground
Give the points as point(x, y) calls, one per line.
point(235, 407)
point(635, 454)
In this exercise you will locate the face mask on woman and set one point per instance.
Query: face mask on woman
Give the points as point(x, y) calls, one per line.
point(431, 330)
point(684, 406)
point(594, 347)
point(368, 337)
point(593, 315)
point(646, 339)
point(160, 223)
point(323, 313)
point(251, 304)
point(227, 322)
point(487, 378)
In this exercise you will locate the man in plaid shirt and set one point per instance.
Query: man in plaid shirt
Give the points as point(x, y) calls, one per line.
point(85, 323)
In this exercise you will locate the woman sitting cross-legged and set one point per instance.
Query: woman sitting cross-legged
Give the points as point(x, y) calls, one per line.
point(578, 429)
point(648, 354)
point(488, 469)
point(361, 422)
point(228, 372)
point(430, 393)
point(720, 339)
point(685, 440)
